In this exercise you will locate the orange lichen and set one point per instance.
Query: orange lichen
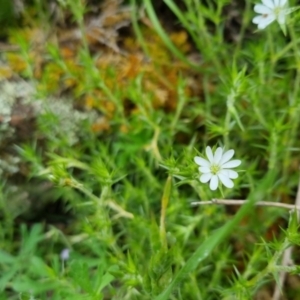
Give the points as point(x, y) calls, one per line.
point(102, 81)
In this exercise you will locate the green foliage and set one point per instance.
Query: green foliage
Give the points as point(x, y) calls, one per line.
point(6, 13)
point(125, 191)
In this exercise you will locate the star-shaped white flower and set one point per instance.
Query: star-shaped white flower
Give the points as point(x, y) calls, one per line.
point(217, 167)
point(270, 11)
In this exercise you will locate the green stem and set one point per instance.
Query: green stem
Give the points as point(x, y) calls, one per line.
point(294, 110)
point(164, 204)
point(270, 268)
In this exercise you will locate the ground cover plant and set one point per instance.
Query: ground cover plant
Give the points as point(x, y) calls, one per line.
point(149, 150)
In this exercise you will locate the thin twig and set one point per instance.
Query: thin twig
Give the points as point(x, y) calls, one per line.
point(241, 202)
point(286, 261)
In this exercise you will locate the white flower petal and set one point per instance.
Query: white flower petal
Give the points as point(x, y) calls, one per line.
point(218, 155)
point(226, 180)
point(282, 2)
point(261, 9)
point(257, 19)
point(209, 154)
point(227, 156)
point(214, 182)
point(232, 164)
point(289, 10)
point(281, 18)
point(204, 170)
point(262, 22)
point(201, 161)
point(266, 21)
point(231, 174)
point(268, 3)
point(205, 177)
point(261, 19)
point(224, 172)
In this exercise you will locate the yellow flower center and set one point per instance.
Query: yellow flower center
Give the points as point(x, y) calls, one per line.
point(215, 169)
point(277, 11)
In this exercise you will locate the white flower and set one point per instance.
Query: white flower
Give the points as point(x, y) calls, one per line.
point(270, 11)
point(65, 254)
point(217, 167)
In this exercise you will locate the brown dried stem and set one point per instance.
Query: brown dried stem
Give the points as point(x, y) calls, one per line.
point(241, 202)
